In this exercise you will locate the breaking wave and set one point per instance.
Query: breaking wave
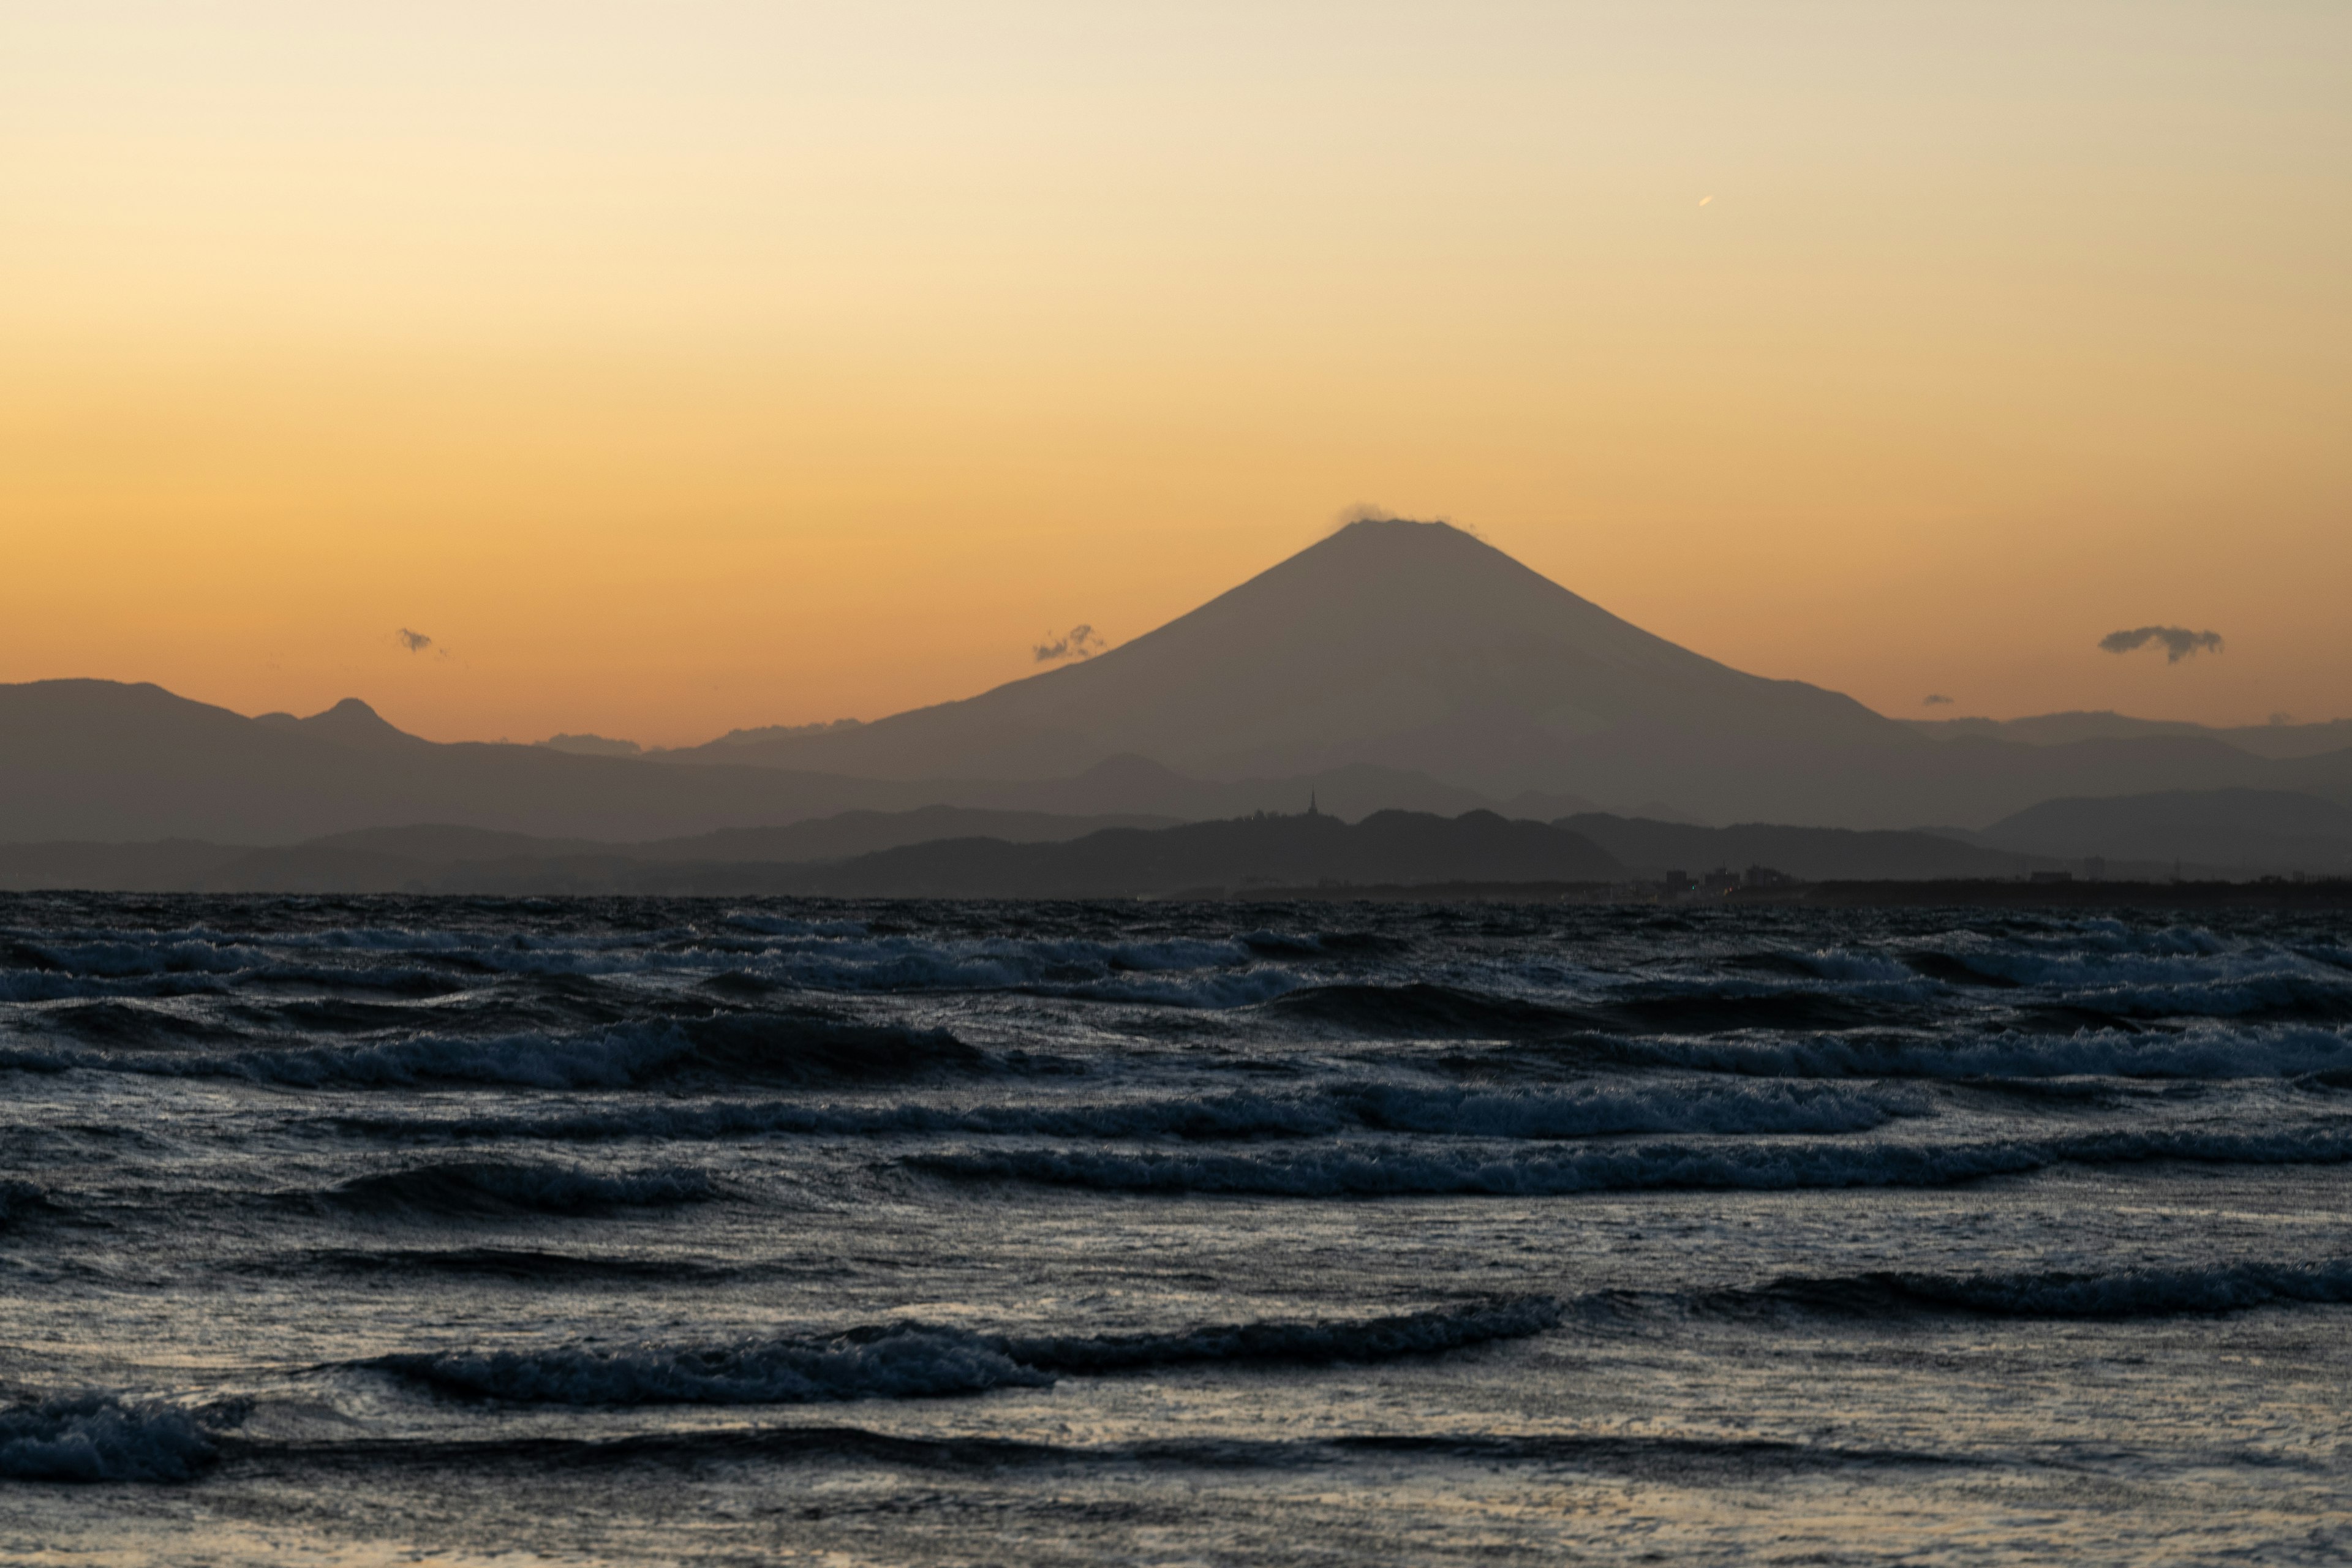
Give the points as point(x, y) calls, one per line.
point(99, 1437)
point(780, 1047)
point(909, 1360)
point(20, 1200)
point(1380, 1170)
point(2198, 1050)
point(1423, 1010)
point(1593, 1110)
point(476, 1188)
point(2125, 1293)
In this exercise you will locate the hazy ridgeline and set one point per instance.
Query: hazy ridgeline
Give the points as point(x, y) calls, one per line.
point(1394, 668)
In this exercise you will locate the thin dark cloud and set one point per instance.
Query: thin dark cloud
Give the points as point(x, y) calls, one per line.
point(1935, 700)
point(1078, 642)
point(414, 642)
point(2178, 642)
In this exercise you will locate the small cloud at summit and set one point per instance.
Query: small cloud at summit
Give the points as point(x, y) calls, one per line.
point(1079, 642)
point(1935, 700)
point(2178, 642)
point(1348, 517)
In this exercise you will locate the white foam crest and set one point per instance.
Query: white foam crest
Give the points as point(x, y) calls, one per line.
point(777, 925)
point(2075, 971)
point(1838, 963)
point(2113, 935)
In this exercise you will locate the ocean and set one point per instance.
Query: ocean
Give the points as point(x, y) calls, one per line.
point(471, 1230)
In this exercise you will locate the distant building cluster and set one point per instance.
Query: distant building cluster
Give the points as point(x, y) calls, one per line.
point(1723, 881)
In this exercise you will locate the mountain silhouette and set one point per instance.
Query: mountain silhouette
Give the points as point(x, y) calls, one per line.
point(1310, 849)
point(2239, 831)
point(350, 723)
point(1414, 647)
point(1394, 665)
point(2278, 738)
point(102, 761)
point(1401, 645)
point(1388, 847)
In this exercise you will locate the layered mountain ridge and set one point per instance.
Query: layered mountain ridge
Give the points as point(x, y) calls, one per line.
point(1393, 666)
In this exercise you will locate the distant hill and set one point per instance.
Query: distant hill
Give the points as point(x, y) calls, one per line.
point(102, 762)
point(835, 837)
point(958, 852)
point(350, 724)
point(2279, 740)
point(859, 854)
point(591, 745)
point(1207, 858)
point(97, 760)
point(855, 833)
point(2246, 831)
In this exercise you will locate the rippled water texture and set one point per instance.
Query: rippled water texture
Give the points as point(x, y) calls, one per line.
point(341, 1231)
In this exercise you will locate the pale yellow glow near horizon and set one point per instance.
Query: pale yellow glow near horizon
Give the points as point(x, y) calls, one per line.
point(687, 366)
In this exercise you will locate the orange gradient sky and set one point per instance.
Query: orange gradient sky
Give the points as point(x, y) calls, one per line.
point(684, 366)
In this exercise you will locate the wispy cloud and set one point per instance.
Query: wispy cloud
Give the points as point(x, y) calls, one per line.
point(1935, 700)
point(1078, 642)
point(2178, 642)
point(414, 642)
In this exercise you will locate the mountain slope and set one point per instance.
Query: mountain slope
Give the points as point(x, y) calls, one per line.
point(1414, 647)
point(1400, 643)
point(98, 760)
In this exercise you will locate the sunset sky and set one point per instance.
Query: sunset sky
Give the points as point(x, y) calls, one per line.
point(676, 367)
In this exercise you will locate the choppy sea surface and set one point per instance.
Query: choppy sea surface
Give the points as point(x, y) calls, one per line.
point(366, 1230)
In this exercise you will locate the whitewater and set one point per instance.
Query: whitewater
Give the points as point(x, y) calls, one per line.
point(649, 1231)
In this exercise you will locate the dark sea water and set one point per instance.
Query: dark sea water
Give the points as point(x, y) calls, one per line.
point(374, 1230)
